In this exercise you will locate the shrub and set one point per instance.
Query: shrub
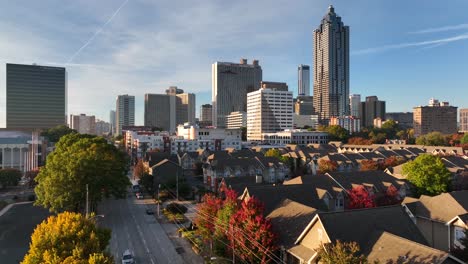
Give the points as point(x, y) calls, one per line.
point(176, 208)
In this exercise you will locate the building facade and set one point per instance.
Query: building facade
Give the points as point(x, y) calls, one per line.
point(464, 120)
point(437, 116)
point(404, 119)
point(350, 123)
point(296, 136)
point(166, 111)
point(371, 109)
point(206, 112)
point(303, 80)
point(102, 127)
point(355, 105)
point(36, 97)
point(279, 86)
point(236, 120)
point(230, 84)
point(112, 121)
point(268, 111)
point(304, 105)
point(124, 112)
point(331, 67)
point(305, 121)
point(83, 124)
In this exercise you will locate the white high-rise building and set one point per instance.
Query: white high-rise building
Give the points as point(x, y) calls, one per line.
point(83, 124)
point(303, 80)
point(125, 112)
point(236, 119)
point(268, 111)
point(331, 67)
point(355, 104)
point(230, 84)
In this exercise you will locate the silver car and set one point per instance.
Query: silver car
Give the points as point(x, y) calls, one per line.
point(127, 257)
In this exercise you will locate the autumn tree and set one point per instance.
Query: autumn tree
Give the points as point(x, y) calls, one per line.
point(359, 141)
point(340, 253)
point(68, 238)
point(139, 170)
point(228, 208)
point(273, 153)
point(78, 161)
point(207, 212)
point(9, 177)
point(359, 197)
point(391, 161)
point(369, 165)
point(428, 174)
point(390, 197)
point(250, 233)
point(327, 166)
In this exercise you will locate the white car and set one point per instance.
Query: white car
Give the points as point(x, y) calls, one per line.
point(127, 257)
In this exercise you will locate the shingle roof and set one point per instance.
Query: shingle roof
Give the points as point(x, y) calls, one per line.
point(221, 164)
point(388, 248)
point(317, 182)
point(357, 225)
point(289, 219)
point(457, 161)
point(455, 204)
point(154, 158)
point(371, 155)
point(379, 179)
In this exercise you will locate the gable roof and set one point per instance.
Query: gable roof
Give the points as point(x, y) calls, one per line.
point(455, 203)
point(379, 179)
point(289, 219)
point(319, 181)
point(154, 158)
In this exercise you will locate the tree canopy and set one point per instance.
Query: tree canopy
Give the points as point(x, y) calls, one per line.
point(432, 139)
point(340, 253)
point(335, 132)
point(77, 161)
point(359, 197)
point(68, 238)
point(54, 134)
point(9, 177)
point(428, 175)
point(464, 139)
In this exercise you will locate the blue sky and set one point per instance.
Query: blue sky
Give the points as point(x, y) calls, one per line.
point(403, 51)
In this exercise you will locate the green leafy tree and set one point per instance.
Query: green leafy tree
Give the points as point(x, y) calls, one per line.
point(54, 134)
point(428, 175)
point(432, 139)
point(464, 139)
point(9, 177)
point(390, 128)
point(340, 253)
point(77, 161)
point(273, 153)
point(68, 238)
point(336, 133)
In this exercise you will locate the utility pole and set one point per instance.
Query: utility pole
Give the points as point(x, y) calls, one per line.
point(159, 201)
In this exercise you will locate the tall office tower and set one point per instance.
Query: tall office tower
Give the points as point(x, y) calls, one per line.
point(125, 112)
point(371, 109)
point(268, 111)
point(206, 113)
point(230, 84)
point(440, 117)
point(303, 80)
point(83, 124)
point(166, 111)
point(112, 121)
point(464, 120)
point(36, 96)
point(355, 104)
point(331, 67)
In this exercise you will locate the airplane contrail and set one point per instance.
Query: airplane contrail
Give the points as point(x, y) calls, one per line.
point(97, 32)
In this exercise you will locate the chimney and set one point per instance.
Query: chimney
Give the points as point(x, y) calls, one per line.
point(243, 61)
point(255, 62)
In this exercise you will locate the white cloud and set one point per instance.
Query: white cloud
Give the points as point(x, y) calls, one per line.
point(441, 29)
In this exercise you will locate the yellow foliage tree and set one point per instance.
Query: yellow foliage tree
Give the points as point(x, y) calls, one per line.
point(68, 238)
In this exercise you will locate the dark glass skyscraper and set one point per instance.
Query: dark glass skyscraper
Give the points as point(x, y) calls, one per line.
point(36, 96)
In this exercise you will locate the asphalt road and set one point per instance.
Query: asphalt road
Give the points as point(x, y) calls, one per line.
point(133, 229)
point(16, 228)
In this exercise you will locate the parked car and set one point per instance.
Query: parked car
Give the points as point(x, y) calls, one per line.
point(127, 257)
point(139, 196)
point(149, 211)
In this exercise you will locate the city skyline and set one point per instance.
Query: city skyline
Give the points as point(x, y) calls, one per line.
point(396, 58)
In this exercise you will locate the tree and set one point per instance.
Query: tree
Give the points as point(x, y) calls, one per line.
point(432, 139)
point(9, 177)
point(390, 197)
point(139, 170)
point(250, 233)
point(391, 161)
point(390, 128)
point(335, 132)
point(68, 238)
point(340, 253)
point(464, 139)
point(79, 161)
point(147, 181)
point(369, 165)
point(205, 218)
point(54, 134)
point(359, 197)
point(273, 153)
point(428, 175)
point(227, 210)
point(359, 141)
point(327, 166)
point(378, 137)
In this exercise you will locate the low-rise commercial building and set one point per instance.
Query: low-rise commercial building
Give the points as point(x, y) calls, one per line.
point(296, 136)
point(437, 116)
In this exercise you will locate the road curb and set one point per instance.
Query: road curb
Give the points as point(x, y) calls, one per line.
point(8, 207)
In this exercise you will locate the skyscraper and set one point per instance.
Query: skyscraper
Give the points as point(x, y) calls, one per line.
point(206, 113)
point(166, 111)
point(230, 84)
point(36, 96)
point(331, 67)
point(355, 104)
point(303, 80)
point(83, 124)
point(125, 112)
point(112, 121)
point(371, 109)
point(464, 120)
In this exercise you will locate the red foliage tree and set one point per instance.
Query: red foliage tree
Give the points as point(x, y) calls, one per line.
point(327, 166)
point(359, 197)
point(391, 162)
point(391, 197)
point(368, 165)
point(359, 141)
point(205, 218)
point(250, 233)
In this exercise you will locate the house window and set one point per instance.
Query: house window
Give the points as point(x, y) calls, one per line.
point(459, 235)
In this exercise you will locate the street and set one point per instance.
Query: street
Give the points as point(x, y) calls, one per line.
point(133, 229)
